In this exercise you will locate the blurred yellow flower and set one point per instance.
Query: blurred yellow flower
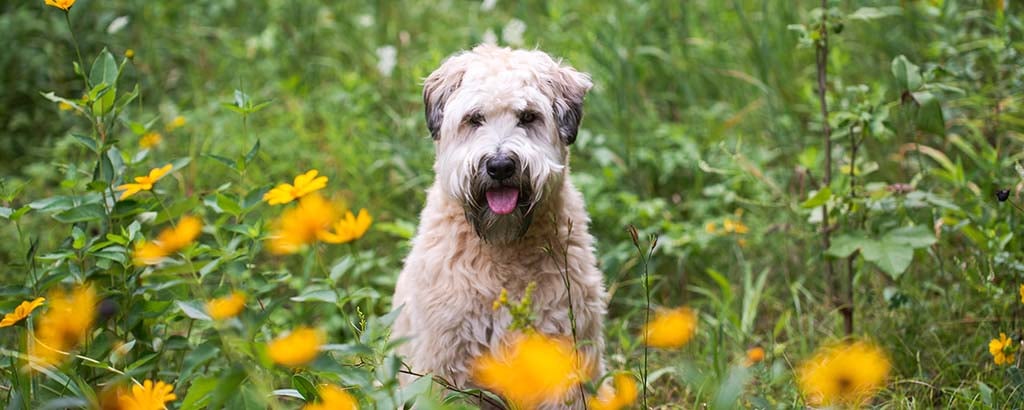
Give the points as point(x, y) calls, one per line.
point(148, 396)
point(169, 240)
point(671, 328)
point(845, 374)
point(144, 183)
point(1021, 293)
point(734, 226)
point(755, 355)
point(21, 312)
point(531, 370)
point(333, 398)
point(61, 4)
point(297, 348)
point(302, 225)
point(1001, 350)
point(151, 139)
point(176, 123)
point(303, 184)
point(348, 229)
point(226, 307)
point(63, 106)
point(129, 54)
point(64, 325)
point(622, 396)
point(710, 227)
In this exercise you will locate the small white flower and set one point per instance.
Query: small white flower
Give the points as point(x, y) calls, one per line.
point(488, 5)
point(512, 34)
point(386, 58)
point(117, 24)
point(490, 38)
point(364, 20)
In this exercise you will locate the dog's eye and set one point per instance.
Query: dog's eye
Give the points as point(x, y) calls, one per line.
point(475, 119)
point(527, 117)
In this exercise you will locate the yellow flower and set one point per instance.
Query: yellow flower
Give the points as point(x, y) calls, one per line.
point(129, 54)
point(333, 398)
point(1001, 350)
point(735, 226)
point(21, 312)
point(844, 374)
point(302, 225)
point(144, 183)
point(151, 139)
point(65, 325)
point(710, 227)
point(348, 229)
point(303, 184)
point(622, 396)
point(176, 123)
point(755, 355)
point(671, 328)
point(1021, 293)
point(531, 370)
point(169, 240)
point(61, 4)
point(297, 348)
point(148, 396)
point(226, 307)
point(63, 106)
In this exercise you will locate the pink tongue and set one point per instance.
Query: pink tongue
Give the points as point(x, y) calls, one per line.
point(503, 200)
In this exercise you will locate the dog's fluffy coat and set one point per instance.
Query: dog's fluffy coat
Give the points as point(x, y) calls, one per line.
point(463, 254)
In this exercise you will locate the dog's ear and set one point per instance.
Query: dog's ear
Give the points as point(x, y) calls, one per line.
point(437, 88)
point(569, 87)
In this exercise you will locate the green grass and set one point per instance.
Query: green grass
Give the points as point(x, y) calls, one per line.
point(701, 110)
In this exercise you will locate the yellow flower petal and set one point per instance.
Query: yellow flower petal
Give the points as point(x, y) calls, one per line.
point(226, 307)
point(303, 185)
point(21, 312)
point(148, 396)
point(671, 329)
point(845, 374)
point(60, 4)
point(333, 398)
point(297, 348)
point(531, 370)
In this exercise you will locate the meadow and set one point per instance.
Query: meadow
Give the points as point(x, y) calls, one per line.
point(814, 202)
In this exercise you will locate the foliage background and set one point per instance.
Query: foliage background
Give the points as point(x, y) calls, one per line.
point(702, 111)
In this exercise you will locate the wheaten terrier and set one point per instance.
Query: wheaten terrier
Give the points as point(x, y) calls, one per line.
point(502, 121)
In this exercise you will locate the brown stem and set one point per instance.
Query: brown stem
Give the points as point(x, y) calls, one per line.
point(822, 62)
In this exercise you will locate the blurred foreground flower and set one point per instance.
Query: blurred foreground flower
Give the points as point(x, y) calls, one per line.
point(844, 374)
point(21, 312)
point(169, 240)
point(1001, 350)
point(622, 396)
point(297, 348)
point(226, 307)
point(309, 222)
point(303, 184)
point(333, 398)
point(61, 4)
point(1021, 293)
point(176, 123)
point(150, 140)
point(671, 328)
point(65, 325)
point(531, 370)
point(144, 183)
point(148, 396)
point(348, 229)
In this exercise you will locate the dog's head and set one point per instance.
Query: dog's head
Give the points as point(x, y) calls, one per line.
point(502, 121)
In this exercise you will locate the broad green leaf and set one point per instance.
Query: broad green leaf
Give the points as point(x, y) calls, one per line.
point(913, 236)
point(907, 74)
point(81, 213)
point(104, 70)
point(199, 393)
point(893, 258)
point(818, 199)
point(929, 114)
point(322, 295)
point(846, 244)
point(192, 310)
point(87, 141)
point(228, 205)
point(305, 387)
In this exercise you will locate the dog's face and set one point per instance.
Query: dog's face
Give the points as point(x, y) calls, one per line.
point(502, 121)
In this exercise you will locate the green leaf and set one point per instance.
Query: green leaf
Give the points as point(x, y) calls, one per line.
point(252, 152)
point(893, 258)
point(846, 244)
point(929, 114)
point(322, 295)
point(87, 141)
point(104, 70)
point(199, 393)
point(81, 213)
point(192, 310)
point(228, 205)
point(305, 387)
point(913, 236)
point(907, 74)
point(819, 198)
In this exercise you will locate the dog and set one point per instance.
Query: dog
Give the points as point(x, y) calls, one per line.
point(502, 121)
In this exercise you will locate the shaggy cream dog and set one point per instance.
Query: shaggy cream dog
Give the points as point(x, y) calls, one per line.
point(502, 121)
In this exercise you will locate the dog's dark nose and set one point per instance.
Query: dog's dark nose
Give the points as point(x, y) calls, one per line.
point(501, 167)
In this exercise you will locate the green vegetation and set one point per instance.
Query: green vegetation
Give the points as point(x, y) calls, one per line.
point(704, 130)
